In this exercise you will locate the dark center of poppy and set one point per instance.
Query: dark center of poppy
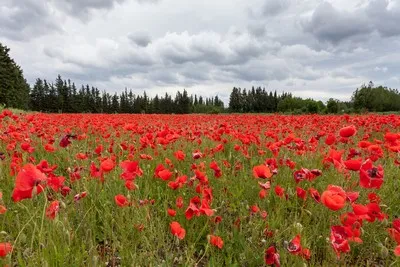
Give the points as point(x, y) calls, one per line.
point(373, 173)
point(374, 213)
point(292, 246)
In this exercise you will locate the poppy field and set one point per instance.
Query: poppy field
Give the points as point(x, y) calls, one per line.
point(199, 190)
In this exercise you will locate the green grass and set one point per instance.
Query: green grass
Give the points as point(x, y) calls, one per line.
point(96, 232)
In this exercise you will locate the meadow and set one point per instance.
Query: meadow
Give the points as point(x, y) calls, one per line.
point(199, 190)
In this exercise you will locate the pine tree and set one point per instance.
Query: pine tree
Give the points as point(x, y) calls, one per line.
point(37, 96)
point(14, 90)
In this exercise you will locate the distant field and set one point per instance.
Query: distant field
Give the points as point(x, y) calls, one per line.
point(186, 190)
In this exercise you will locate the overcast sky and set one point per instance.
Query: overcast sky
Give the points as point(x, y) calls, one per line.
point(313, 48)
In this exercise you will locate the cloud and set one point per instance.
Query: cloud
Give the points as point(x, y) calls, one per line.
point(140, 38)
point(83, 8)
point(385, 19)
point(174, 52)
point(314, 48)
point(382, 69)
point(26, 19)
point(274, 7)
point(332, 25)
point(303, 53)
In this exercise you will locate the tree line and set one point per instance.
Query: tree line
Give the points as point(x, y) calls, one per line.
point(259, 100)
point(64, 96)
point(376, 98)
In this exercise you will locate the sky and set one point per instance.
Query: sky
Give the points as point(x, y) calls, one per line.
point(312, 48)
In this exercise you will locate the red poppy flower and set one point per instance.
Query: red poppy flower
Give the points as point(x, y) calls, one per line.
point(294, 246)
point(352, 196)
point(348, 131)
point(262, 194)
point(395, 231)
point(216, 241)
point(107, 165)
point(29, 180)
point(49, 148)
point(217, 219)
point(121, 200)
point(330, 139)
point(53, 209)
point(193, 209)
point(177, 230)
point(374, 198)
point(64, 142)
point(5, 248)
point(197, 155)
point(179, 202)
point(179, 182)
point(397, 251)
point(271, 257)
point(96, 172)
point(353, 164)
point(130, 169)
point(315, 194)
point(265, 186)
point(130, 185)
point(2, 209)
point(301, 193)
point(279, 191)
point(205, 208)
point(217, 171)
point(262, 171)
point(179, 155)
point(306, 174)
point(369, 212)
point(65, 190)
point(339, 241)
point(171, 212)
point(254, 209)
point(98, 150)
point(370, 176)
point(78, 197)
point(334, 197)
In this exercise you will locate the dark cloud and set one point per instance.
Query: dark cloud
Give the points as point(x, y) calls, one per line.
point(331, 25)
point(26, 19)
point(334, 26)
point(385, 20)
point(274, 7)
point(140, 38)
point(209, 47)
point(83, 8)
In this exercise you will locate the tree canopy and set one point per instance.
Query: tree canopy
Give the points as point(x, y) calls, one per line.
point(14, 90)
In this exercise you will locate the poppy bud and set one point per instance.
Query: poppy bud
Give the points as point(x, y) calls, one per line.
point(384, 251)
point(298, 227)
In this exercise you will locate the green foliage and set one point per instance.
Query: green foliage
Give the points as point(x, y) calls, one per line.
point(332, 106)
point(14, 90)
point(63, 96)
point(259, 100)
point(255, 100)
point(376, 99)
point(297, 105)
